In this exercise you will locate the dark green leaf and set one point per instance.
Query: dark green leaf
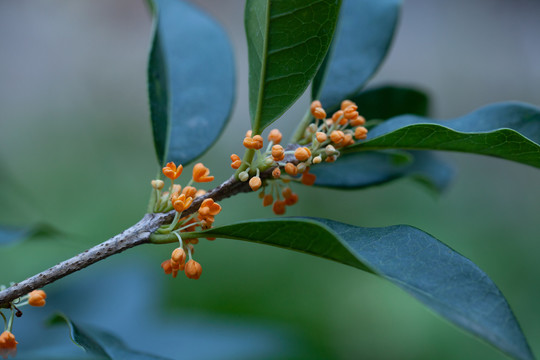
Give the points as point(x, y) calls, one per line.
point(287, 42)
point(12, 234)
point(445, 281)
point(389, 101)
point(101, 343)
point(190, 81)
point(364, 169)
point(365, 31)
point(506, 130)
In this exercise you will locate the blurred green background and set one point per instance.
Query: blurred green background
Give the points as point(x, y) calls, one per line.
point(76, 152)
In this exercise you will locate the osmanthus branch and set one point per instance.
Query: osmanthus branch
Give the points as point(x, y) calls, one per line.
point(137, 234)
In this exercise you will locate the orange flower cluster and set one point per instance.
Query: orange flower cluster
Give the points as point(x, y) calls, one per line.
point(289, 199)
point(342, 128)
point(321, 141)
point(177, 262)
point(180, 200)
point(8, 344)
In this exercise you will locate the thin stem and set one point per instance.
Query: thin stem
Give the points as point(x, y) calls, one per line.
point(5, 320)
point(11, 317)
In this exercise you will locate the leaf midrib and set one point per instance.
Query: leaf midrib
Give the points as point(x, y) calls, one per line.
point(258, 112)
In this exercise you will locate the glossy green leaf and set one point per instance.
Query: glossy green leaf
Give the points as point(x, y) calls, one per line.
point(439, 277)
point(191, 81)
point(507, 130)
point(386, 102)
point(101, 343)
point(363, 36)
point(370, 168)
point(287, 42)
point(10, 235)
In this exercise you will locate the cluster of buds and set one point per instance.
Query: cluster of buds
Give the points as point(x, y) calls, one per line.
point(180, 199)
point(322, 139)
point(177, 262)
point(8, 344)
point(326, 135)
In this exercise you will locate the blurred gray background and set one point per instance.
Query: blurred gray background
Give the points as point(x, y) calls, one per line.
point(76, 152)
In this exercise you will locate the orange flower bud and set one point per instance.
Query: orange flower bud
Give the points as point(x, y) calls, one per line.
point(236, 162)
point(193, 269)
point(248, 143)
point(319, 113)
point(211, 238)
point(346, 103)
point(337, 115)
point(337, 136)
point(178, 255)
point(278, 153)
point(275, 136)
point(37, 298)
point(286, 192)
point(167, 266)
point(321, 137)
point(360, 133)
point(255, 183)
point(360, 120)
point(350, 112)
point(158, 184)
point(315, 104)
point(347, 140)
point(171, 171)
point(307, 178)
point(8, 345)
point(291, 200)
point(317, 159)
point(330, 159)
point(291, 169)
point(276, 173)
point(189, 191)
point(268, 200)
point(302, 153)
point(193, 241)
point(279, 207)
point(200, 173)
point(258, 142)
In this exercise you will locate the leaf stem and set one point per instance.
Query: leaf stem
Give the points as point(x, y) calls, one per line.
point(302, 125)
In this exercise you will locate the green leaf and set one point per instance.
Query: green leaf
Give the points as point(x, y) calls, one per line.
point(191, 81)
point(10, 235)
point(370, 168)
point(507, 130)
point(287, 42)
point(363, 36)
point(101, 343)
point(389, 101)
point(443, 280)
